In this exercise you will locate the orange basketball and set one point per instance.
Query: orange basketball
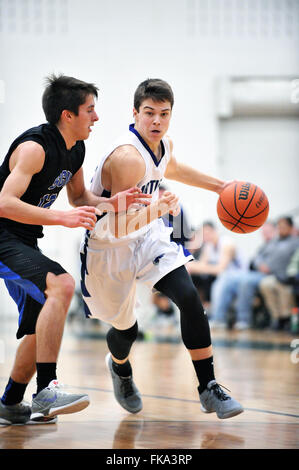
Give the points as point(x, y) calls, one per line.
point(242, 207)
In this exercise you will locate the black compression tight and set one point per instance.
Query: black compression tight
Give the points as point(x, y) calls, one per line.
point(178, 286)
point(120, 341)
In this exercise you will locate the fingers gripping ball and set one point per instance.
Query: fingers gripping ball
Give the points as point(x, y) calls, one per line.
point(242, 207)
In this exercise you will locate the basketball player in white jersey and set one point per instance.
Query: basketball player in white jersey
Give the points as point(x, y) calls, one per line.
point(136, 247)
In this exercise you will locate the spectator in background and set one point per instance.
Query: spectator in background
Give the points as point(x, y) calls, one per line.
point(202, 282)
point(242, 286)
point(293, 280)
point(218, 255)
point(293, 271)
point(278, 295)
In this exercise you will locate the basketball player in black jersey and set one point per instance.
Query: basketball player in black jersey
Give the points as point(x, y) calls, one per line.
point(39, 163)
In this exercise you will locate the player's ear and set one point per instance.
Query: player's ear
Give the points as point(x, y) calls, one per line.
point(135, 112)
point(66, 115)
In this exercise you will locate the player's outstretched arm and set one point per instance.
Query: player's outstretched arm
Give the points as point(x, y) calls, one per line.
point(27, 160)
point(78, 195)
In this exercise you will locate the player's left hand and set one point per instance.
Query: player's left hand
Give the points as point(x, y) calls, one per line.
point(124, 199)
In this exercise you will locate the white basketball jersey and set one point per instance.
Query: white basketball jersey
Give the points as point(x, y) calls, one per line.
point(154, 173)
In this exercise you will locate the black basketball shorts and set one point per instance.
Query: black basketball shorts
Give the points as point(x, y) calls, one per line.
point(24, 269)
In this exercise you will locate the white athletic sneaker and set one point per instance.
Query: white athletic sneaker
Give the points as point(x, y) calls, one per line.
point(52, 401)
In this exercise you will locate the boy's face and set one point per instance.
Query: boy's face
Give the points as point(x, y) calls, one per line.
point(152, 120)
point(81, 124)
point(208, 234)
point(284, 229)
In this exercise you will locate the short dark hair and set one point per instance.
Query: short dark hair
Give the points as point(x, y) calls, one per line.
point(64, 92)
point(154, 88)
point(209, 223)
point(287, 219)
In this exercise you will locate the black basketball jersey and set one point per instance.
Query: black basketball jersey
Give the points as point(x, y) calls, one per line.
point(59, 167)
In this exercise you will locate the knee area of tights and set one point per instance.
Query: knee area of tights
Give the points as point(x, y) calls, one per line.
point(197, 338)
point(130, 334)
point(195, 329)
point(120, 341)
point(189, 298)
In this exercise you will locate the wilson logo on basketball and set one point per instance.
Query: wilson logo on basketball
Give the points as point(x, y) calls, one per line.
point(260, 201)
point(244, 191)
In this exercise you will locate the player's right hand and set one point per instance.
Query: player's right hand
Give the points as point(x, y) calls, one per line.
point(83, 216)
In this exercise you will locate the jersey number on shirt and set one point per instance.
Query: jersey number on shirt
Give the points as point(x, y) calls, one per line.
point(47, 200)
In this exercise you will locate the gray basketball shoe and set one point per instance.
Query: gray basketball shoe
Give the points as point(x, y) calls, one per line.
point(14, 414)
point(214, 399)
point(52, 401)
point(125, 391)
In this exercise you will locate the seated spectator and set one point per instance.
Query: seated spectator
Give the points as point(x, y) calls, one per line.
point(242, 286)
point(293, 280)
point(278, 295)
point(293, 271)
point(217, 256)
point(203, 282)
point(268, 275)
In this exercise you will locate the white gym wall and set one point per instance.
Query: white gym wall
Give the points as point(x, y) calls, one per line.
point(194, 45)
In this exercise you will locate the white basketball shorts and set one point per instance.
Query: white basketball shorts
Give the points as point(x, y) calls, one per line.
point(110, 273)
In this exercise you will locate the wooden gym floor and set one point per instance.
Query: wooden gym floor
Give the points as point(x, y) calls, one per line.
point(261, 368)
